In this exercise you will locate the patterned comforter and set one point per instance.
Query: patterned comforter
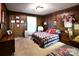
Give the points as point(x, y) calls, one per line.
point(45, 39)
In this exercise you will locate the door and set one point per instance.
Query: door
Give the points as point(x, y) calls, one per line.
point(31, 24)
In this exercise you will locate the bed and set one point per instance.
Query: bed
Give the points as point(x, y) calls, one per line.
point(44, 39)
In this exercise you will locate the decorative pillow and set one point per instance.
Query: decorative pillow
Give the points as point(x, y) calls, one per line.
point(51, 31)
point(76, 39)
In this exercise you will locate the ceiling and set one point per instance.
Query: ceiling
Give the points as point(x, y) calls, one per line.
point(31, 7)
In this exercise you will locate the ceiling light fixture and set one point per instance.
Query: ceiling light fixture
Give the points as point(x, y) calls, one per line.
point(39, 7)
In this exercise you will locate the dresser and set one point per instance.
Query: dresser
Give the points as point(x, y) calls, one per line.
point(7, 45)
point(64, 37)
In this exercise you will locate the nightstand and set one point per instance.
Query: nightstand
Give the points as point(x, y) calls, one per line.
point(64, 37)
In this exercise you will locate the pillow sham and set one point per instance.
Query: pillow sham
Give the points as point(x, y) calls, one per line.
point(51, 31)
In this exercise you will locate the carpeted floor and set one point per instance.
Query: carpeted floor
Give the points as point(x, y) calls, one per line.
point(27, 47)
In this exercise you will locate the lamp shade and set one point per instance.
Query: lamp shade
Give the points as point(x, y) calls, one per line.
point(40, 28)
point(67, 24)
point(45, 23)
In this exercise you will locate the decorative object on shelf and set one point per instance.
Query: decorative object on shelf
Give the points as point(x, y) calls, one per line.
point(12, 21)
point(22, 21)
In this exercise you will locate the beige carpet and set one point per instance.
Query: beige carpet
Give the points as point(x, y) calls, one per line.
point(27, 47)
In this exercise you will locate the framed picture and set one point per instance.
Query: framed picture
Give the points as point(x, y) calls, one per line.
point(17, 17)
point(17, 21)
point(18, 25)
point(22, 21)
point(12, 21)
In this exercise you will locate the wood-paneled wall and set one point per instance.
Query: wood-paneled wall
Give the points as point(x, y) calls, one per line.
point(57, 16)
point(40, 19)
point(5, 24)
point(0, 19)
point(19, 31)
point(0, 11)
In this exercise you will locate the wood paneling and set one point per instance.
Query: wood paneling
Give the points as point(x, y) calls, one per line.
point(57, 15)
point(39, 21)
point(1, 33)
point(0, 11)
point(5, 24)
point(19, 31)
